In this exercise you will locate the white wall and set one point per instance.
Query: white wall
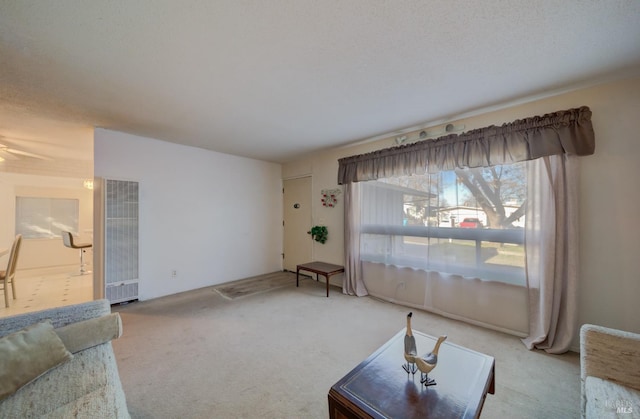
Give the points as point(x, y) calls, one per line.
point(609, 197)
point(48, 252)
point(212, 217)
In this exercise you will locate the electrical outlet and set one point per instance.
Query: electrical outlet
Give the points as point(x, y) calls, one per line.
point(174, 273)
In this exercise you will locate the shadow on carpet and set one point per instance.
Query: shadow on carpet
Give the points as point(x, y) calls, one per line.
point(255, 285)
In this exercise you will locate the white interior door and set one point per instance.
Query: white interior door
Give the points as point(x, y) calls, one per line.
point(297, 222)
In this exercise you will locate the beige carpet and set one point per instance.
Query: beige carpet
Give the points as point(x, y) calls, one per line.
point(276, 354)
point(255, 285)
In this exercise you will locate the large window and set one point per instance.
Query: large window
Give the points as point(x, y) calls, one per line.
point(46, 217)
point(387, 221)
point(467, 222)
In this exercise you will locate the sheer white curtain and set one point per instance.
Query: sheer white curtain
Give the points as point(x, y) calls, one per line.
point(353, 283)
point(551, 242)
point(431, 222)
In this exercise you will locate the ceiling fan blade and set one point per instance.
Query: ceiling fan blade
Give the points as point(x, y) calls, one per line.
point(7, 156)
point(16, 141)
point(26, 154)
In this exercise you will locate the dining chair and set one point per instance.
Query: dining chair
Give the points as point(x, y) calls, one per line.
point(8, 277)
point(67, 239)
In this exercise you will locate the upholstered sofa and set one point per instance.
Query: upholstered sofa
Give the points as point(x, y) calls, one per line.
point(59, 363)
point(609, 372)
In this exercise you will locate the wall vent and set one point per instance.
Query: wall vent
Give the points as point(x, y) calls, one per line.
point(122, 292)
point(121, 240)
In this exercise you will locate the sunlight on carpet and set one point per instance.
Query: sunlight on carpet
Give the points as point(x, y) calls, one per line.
point(256, 284)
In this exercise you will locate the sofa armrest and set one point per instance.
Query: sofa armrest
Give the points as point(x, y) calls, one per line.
point(610, 354)
point(59, 316)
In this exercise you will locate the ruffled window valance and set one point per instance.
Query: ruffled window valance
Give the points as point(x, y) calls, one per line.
point(568, 131)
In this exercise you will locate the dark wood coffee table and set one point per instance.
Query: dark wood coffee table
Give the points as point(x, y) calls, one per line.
point(380, 388)
point(319, 268)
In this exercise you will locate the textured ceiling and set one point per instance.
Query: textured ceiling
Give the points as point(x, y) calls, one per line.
point(276, 79)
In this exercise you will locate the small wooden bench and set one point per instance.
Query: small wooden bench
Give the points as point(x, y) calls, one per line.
point(319, 268)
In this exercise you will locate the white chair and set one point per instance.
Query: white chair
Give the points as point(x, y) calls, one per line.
point(8, 277)
point(67, 239)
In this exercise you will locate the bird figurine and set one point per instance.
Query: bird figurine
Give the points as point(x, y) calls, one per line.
point(425, 363)
point(428, 362)
point(410, 350)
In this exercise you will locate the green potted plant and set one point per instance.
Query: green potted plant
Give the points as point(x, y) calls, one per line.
point(319, 233)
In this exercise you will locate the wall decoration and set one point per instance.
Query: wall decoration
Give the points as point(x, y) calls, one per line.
point(330, 197)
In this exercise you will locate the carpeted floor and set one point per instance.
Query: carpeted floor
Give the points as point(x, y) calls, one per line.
point(276, 354)
point(256, 284)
